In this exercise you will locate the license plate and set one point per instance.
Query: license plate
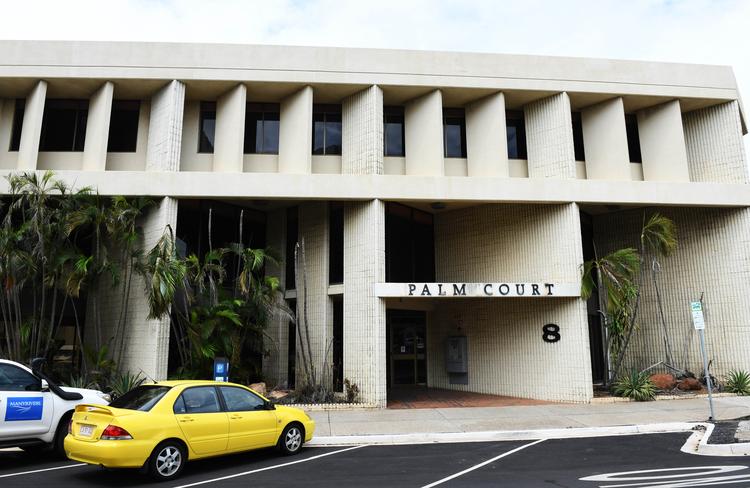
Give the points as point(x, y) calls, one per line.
point(86, 430)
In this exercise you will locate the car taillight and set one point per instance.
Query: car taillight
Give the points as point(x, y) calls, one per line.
point(115, 433)
point(70, 426)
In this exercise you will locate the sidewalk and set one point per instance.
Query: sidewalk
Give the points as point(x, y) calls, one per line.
point(513, 418)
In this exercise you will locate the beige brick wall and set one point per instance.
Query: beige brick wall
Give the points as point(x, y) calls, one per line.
point(362, 132)
point(712, 259)
point(313, 229)
point(549, 138)
point(715, 149)
point(364, 313)
point(277, 341)
point(507, 356)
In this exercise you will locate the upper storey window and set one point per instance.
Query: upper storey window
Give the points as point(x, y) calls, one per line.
point(15, 137)
point(64, 125)
point(634, 141)
point(580, 155)
point(454, 133)
point(393, 131)
point(326, 129)
point(515, 130)
point(123, 126)
point(262, 128)
point(207, 127)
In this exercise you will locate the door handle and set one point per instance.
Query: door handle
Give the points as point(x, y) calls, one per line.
point(187, 420)
point(236, 417)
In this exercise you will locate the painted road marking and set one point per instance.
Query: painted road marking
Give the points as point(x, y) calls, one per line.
point(267, 468)
point(485, 463)
point(672, 477)
point(42, 470)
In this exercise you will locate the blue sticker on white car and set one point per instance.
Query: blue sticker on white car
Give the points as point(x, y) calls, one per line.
point(24, 408)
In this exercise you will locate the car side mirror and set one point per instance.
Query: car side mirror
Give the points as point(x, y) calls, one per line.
point(270, 406)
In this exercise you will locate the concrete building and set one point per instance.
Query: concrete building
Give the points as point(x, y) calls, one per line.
point(446, 201)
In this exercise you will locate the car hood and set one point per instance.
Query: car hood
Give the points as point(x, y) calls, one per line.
point(82, 391)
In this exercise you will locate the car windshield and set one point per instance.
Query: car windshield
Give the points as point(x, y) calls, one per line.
point(141, 398)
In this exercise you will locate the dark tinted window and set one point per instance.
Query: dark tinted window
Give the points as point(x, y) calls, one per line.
point(336, 244)
point(578, 137)
point(239, 400)
point(123, 126)
point(141, 398)
point(64, 125)
point(326, 129)
point(516, 133)
point(179, 405)
point(13, 378)
point(634, 141)
point(393, 131)
point(15, 137)
point(292, 231)
point(201, 399)
point(454, 133)
point(207, 127)
point(338, 345)
point(262, 128)
point(409, 245)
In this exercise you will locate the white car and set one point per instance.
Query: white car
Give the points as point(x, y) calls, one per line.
point(35, 412)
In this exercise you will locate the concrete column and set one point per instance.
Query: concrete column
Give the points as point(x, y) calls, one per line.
point(229, 141)
point(549, 138)
point(663, 143)
point(715, 150)
point(313, 230)
point(362, 132)
point(295, 132)
point(97, 128)
point(275, 362)
point(165, 128)
point(423, 120)
point(606, 141)
point(364, 313)
point(486, 144)
point(31, 130)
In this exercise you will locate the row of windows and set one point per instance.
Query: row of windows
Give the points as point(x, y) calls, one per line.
point(64, 129)
point(64, 125)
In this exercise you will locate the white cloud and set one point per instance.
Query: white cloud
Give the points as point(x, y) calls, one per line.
point(695, 31)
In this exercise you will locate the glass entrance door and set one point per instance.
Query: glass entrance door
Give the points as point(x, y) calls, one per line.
point(407, 348)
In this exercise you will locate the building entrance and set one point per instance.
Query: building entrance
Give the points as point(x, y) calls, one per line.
point(407, 348)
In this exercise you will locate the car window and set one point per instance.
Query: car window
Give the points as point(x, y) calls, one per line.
point(200, 399)
point(13, 378)
point(179, 405)
point(141, 398)
point(239, 400)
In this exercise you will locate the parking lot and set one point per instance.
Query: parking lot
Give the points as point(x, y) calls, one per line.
point(641, 461)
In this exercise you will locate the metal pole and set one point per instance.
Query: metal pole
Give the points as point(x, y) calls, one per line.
point(708, 376)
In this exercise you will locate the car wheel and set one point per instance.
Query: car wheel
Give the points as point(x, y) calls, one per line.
point(167, 461)
point(291, 439)
point(58, 445)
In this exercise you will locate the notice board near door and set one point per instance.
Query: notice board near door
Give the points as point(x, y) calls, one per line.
point(457, 359)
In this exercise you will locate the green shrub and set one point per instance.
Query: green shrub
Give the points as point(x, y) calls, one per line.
point(738, 381)
point(636, 386)
point(123, 383)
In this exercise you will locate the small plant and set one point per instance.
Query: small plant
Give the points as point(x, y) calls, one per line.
point(123, 383)
point(79, 382)
point(738, 381)
point(636, 386)
point(352, 391)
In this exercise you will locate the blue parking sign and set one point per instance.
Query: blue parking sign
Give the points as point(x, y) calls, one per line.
point(221, 369)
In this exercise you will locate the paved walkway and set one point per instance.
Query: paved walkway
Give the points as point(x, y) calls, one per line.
point(423, 397)
point(549, 416)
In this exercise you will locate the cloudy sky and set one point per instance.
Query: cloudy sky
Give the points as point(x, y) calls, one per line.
point(696, 31)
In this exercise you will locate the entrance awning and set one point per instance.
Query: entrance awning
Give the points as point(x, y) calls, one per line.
point(481, 290)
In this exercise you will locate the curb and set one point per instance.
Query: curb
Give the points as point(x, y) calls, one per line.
point(696, 444)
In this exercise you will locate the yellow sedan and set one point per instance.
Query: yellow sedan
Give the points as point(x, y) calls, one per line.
point(158, 427)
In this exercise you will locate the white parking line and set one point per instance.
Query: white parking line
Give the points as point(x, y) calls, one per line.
point(485, 463)
point(267, 468)
point(42, 470)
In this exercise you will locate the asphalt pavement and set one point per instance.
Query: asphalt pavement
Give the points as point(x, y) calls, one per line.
point(648, 460)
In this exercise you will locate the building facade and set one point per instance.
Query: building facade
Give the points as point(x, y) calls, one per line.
point(442, 203)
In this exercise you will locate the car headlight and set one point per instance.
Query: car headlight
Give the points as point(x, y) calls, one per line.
point(104, 396)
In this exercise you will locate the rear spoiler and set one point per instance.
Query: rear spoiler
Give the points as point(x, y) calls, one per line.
point(92, 408)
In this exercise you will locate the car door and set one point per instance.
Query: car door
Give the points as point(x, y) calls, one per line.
point(25, 410)
point(201, 419)
point(251, 424)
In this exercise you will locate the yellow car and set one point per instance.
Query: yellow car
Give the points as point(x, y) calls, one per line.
point(158, 427)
